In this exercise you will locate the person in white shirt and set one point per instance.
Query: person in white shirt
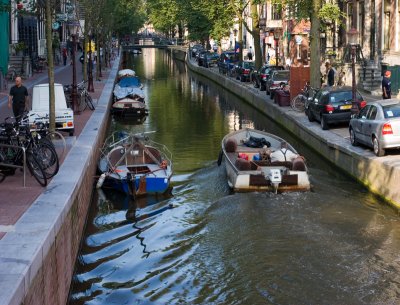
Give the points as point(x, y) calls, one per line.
point(283, 154)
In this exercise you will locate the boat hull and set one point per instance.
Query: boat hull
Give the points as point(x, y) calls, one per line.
point(139, 186)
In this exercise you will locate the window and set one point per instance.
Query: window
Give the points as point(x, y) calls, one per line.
point(372, 113)
point(276, 12)
point(391, 111)
point(363, 112)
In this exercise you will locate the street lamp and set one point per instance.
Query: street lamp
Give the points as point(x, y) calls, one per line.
point(352, 36)
point(234, 44)
point(276, 39)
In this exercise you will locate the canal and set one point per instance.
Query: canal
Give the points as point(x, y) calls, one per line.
point(337, 244)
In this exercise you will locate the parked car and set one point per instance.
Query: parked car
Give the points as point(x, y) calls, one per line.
point(207, 59)
point(64, 116)
point(377, 125)
point(243, 70)
point(276, 80)
point(259, 77)
point(196, 48)
point(332, 105)
point(227, 61)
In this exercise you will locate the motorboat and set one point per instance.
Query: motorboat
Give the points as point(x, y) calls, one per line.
point(259, 161)
point(128, 96)
point(133, 164)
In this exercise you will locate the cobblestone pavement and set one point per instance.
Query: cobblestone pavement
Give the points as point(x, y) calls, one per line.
point(14, 198)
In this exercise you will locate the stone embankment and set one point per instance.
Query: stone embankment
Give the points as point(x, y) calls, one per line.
point(381, 175)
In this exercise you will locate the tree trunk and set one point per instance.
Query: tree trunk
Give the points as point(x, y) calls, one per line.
point(98, 57)
point(315, 46)
point(50, 62)
point(240, 37)
point(85, 61)
point(256, 36)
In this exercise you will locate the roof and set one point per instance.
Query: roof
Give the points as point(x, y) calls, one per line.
point(388, 102)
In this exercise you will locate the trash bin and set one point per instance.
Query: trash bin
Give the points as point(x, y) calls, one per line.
point(282, 98)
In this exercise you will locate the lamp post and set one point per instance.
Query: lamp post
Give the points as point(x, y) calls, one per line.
point(234, 44)
point(90, 73)
point(74, 93)
point(352, 36)
point(276, 39)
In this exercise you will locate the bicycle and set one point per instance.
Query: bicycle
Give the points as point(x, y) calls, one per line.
point(298, 103)
point(11, 73)
point(84, 101)
point(9, 135)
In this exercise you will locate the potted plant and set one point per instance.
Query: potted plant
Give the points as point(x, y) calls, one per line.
point(19, 48)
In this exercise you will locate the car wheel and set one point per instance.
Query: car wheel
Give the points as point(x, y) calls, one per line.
point(272, 93)
point(309, 115)
point(324, 123)
point(262, 88)
point(255, 84)
point(378, 150)
point(241, 78)
point(267, 91)
point(353, 139)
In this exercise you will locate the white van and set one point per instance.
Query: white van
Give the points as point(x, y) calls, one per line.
point(40, 108)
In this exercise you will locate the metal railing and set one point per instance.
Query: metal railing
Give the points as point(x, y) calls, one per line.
point(23, 166)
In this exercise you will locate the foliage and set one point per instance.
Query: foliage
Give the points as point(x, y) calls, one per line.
point(20, 46)
point(330, 13)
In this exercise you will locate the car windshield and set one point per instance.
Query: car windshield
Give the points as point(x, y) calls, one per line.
point(247, 65)
point(391, 111)
point(281, 76)
point(343, 96)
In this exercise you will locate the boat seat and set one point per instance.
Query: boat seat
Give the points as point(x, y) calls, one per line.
point(230, 145)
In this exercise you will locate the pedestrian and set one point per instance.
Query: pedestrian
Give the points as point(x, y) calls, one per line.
point(386, 86)
point(330, 74)
point(250, 54)
point(18, 98)
point(64, 55)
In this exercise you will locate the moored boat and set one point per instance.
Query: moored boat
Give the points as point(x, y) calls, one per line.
point(259, 161)
point(128, 96)
point(135, 165)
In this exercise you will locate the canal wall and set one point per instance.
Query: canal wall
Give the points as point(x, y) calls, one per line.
point(37, 259)
point(381, 175)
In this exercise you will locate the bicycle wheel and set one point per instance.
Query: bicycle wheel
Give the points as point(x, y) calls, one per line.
point(89, 102)
point(298, 103)
point(58, 142)
point(35, 169)
point(47, 157)
point(82, 102)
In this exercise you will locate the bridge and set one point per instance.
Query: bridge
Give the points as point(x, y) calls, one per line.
point(141, 46)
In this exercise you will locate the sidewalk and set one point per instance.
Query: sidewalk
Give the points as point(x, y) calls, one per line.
point(14, 198)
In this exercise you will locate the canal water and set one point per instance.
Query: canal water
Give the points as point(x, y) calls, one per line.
point(337, 244)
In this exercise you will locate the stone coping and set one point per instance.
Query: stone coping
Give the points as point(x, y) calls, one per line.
point(379, 174)
point(23, 250)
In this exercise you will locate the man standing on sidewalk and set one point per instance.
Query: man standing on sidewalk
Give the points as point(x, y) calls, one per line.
point(386, 86)
point(18, 98)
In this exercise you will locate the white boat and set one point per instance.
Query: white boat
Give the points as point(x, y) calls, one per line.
point(126, 72)
point(252, 168)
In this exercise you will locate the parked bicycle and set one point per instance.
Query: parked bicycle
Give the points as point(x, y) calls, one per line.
point(41, 156)
point(11, 73)
point(298, 103)
point(84, 98)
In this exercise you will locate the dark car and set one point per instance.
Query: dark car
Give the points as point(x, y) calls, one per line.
point(332, 105)
point(196, 49)
point(259, 77)
point(227, 61)
point(243, 70)
point(276, 80)
point(207, 59)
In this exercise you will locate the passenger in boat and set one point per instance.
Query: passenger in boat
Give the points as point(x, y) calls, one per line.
point(283, 154)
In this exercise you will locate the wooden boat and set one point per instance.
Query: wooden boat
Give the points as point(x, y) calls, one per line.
point(250, 165)
point(128, 97)
point(135, 165)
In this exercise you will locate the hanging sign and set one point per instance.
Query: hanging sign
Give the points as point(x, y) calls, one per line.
point(55, 26)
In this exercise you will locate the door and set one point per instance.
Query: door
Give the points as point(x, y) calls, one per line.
point(358, 124)
point(315, 104)
point(370, 124)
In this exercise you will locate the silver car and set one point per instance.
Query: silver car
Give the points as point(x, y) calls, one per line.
point(377, 125)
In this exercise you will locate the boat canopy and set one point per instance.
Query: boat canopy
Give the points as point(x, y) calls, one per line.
point(129, 82)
